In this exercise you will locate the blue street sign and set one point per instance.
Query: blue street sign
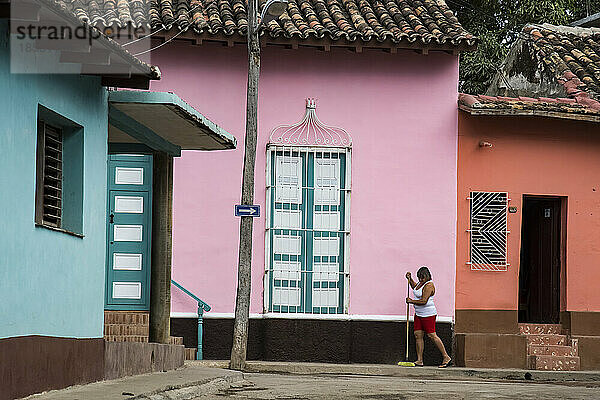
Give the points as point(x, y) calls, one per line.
point(247, 211)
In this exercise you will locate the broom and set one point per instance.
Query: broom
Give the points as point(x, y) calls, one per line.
point(407, 363)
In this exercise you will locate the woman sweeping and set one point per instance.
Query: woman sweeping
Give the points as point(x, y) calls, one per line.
point(425, 314)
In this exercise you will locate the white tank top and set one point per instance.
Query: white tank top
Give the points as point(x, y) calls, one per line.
point(426, 310)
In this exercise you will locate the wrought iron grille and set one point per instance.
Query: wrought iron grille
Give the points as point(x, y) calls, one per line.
point(307, 230)
point(489, 231)
point(308, 223)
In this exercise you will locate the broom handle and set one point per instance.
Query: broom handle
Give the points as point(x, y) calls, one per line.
point(407, 311)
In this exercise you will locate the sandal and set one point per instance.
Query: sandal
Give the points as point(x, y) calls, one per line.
point(446, 364)
point(418, 365)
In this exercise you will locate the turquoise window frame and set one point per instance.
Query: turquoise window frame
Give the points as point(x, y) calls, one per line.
point(72, 171)
point(307, 233)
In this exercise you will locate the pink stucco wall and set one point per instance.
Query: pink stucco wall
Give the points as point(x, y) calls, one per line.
point(401, 112)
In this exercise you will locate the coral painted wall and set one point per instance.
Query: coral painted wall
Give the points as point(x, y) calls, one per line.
point(534, 156)
point(401, 112)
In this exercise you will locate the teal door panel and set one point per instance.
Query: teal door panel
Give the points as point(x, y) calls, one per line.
point(129, 236)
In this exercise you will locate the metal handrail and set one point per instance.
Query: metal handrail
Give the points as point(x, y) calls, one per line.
point(202, 306)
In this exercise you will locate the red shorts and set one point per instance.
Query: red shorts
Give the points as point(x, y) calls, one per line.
point(426, 324)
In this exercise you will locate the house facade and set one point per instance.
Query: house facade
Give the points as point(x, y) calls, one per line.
point(356, 186)
point(527, 223)
point(73, 203)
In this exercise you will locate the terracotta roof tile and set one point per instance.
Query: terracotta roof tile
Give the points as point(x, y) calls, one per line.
point(572, 56)
point(414, 21)
point(499, 105)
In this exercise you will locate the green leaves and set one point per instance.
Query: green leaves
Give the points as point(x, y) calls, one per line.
point(497, 23)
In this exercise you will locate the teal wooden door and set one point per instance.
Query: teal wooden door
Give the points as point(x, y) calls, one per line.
point(129, 236)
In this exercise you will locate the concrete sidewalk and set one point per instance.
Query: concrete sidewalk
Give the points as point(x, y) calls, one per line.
point(451, 373)
point(193, 380)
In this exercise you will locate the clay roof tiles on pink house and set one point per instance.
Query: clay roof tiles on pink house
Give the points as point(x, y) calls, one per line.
point(420, 23)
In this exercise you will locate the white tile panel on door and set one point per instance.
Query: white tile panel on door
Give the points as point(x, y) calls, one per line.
point(127, 290)
point(129, 176)
point(125, 261)
point(127, 233)
point(129, 204)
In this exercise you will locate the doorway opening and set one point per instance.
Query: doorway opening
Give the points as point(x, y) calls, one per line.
point(541, 259)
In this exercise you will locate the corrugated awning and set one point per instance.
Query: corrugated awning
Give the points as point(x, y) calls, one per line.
point(164, 122)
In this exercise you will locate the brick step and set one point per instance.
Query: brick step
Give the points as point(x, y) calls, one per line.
point(126, 338)
point(553, 363)
point(176, 340)
point(190, 354)
point(552, 350)
point(126, 330)
point(547, 340)
point(540, 329)
point(126, 317)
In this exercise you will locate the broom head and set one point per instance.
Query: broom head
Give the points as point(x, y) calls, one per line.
point(406, 364)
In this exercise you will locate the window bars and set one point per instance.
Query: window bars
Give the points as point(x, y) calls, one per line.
point(488, 231)
point(308, 223)
point(49, 175)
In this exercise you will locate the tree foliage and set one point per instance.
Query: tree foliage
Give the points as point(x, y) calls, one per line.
point(497, 23)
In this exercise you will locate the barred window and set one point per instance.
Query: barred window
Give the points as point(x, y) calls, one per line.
point(49, 175)
point(308, 228)
point(488, 231)
point(59, 173)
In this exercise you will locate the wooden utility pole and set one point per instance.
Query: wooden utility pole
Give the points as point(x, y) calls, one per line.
point(242, 300)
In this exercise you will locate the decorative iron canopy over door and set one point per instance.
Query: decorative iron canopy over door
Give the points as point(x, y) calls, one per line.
point(308, 222)
point(489, 231)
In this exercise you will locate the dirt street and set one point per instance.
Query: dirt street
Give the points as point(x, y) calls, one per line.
point(272, 386)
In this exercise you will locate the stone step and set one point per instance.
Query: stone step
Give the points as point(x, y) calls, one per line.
point(190, 354)
point(553, 363)
point(540, 329)
point(547, 340)
point(126, 317)
point(552, 350)
point(126, 338)
point(126, 330)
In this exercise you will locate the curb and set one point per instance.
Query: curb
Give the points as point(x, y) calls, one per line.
point(191, 390)
point(454, 373)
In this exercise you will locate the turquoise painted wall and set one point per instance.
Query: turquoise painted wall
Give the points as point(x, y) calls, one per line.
point(51, 283)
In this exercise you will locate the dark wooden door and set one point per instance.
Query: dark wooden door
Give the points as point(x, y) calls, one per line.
point(539, 274)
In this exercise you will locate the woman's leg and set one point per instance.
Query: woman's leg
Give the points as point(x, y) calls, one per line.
point(420, 344)
point(440, 345)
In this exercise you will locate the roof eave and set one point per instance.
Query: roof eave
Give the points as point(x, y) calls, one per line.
point(579, 116)
point(324, 43)
point(140, 73)
point(185, 111)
